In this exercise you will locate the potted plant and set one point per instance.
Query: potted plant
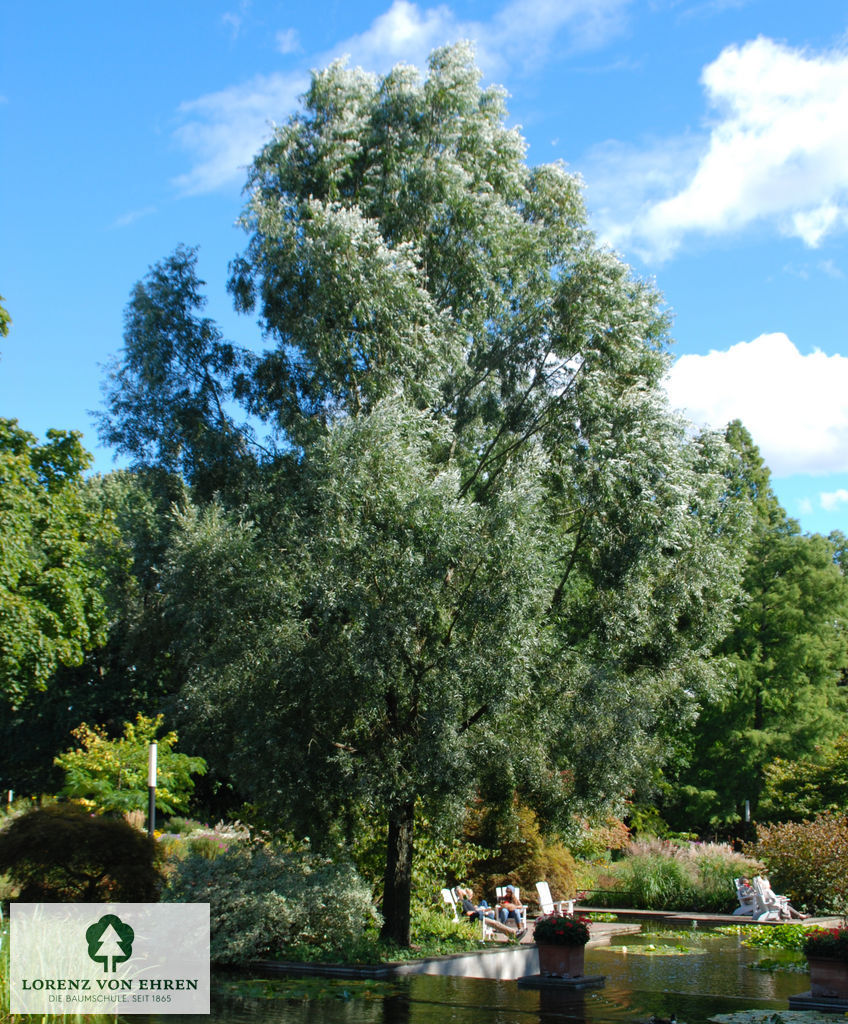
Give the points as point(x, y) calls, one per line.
point(561, 940)
point(826, 950)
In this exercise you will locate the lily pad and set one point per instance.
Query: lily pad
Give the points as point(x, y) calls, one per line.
point(770, 966)
point(779, 1017)
point(301, 990)
point(652, 950)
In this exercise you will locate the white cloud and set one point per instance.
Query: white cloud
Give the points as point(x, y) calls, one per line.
point(232, 22)
point(223, 130)
point(520, 33)
point(126, 219)
point(795, 406)
point(287, 41)
point(831, 500)
point(776, 152)
point(403, 32)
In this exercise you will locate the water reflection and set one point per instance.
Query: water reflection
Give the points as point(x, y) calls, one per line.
point(712, 978)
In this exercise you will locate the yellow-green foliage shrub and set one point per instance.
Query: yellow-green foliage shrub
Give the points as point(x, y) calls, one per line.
point(522, 856)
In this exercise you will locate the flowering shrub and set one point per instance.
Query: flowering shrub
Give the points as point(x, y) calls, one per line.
point(263, 899)
point(827, 943)
point(562, 930)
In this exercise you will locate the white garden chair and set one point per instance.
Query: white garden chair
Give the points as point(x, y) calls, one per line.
point(746, 900)
point(767, 904)
point(549, 905)
point(451, 899)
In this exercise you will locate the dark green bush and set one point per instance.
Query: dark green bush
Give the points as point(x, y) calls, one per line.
point(64, 854)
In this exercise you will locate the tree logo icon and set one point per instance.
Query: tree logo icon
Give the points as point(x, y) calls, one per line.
point(109, 939)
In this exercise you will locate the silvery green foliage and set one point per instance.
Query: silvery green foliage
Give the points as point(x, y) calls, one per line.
point(263, 899)
point(401, 250)
point(492, 558)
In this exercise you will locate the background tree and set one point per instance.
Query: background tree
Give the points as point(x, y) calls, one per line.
point(134, 666)
point(786, 657)
point(168, 398)
point(5, 320)
point(484, 555)
point(52, 608)
point(809, 786)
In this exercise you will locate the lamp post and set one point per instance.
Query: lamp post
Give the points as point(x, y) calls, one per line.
point(151, 789)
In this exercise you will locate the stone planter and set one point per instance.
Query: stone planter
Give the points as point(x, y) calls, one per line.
point(561, 961)
point(828, 978)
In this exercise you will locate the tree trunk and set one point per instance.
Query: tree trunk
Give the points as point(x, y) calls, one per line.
point(397, 882)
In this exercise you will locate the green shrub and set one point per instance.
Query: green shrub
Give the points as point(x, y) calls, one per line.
point(434, 933)
point(807, 860)
point(437, 863)
point(264, 899)
point(63, 854)
point(647, 881)
point(204, 846)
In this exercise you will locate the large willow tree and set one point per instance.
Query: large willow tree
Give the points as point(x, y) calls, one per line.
point(477, 551)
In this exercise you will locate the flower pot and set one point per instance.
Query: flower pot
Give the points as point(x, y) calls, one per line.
point(561, 961)
point(828, 978)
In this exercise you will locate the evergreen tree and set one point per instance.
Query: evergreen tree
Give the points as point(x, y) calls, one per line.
point(785, 660)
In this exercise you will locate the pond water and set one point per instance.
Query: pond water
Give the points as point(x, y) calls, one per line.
point(711, 976)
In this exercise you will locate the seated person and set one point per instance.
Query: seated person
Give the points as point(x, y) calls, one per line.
point(470, 909)
point(786, 911)
point(509, 906)
point(745, 893)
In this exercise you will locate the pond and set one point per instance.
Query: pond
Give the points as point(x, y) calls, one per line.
point(710, 975)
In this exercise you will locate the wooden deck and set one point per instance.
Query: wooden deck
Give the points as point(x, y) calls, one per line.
point(630, 921)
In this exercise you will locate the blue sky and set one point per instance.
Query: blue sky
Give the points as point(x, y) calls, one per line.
point(712, 136)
